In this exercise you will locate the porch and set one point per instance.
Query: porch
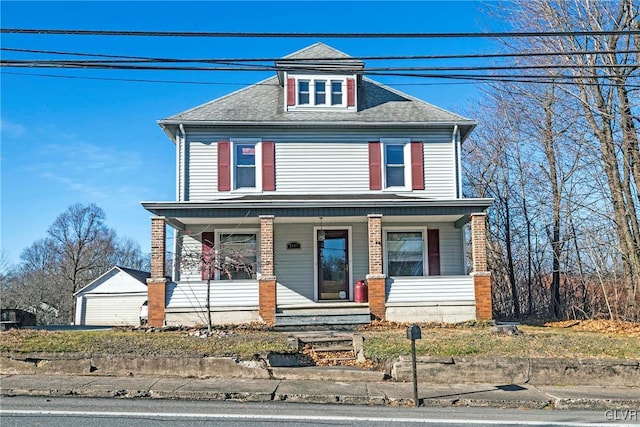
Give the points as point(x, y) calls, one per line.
point(309, 257)
point(408, 299)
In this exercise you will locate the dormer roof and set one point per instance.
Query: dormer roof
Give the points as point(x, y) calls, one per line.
point(318, 58)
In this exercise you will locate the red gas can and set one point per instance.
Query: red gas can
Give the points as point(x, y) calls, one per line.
point(361, 293)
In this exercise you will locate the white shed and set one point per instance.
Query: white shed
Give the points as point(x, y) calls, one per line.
point(113, 299)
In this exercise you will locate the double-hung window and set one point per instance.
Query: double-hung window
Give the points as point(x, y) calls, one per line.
point(245, 166)
point(237, 255)
point(303, 92)
point(394, 162)
point(320, 92)
point(336, 92)
point(405, 254)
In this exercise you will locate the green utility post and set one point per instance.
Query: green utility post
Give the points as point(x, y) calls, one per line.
point(414, 333)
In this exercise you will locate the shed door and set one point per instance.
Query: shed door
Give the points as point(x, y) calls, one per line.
point(112, 310)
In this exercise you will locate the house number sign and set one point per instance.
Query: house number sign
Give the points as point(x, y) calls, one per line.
point(293, 245)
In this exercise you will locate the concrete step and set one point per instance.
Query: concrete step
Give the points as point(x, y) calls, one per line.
point(333, 348)
point(312, 319)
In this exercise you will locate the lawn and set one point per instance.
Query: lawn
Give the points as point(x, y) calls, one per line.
point(534, 341)
point(383, 341)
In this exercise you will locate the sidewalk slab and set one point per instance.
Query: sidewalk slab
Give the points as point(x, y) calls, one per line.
point(322, 392)
point(216, 389)
point(503, 396)
point(591, 397)
point(396, 393)
point(39, 385)
point(327, 373)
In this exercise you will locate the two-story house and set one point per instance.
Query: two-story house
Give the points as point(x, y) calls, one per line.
point(322, 178)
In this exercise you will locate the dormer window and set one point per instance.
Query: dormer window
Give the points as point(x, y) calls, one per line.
point(320, 92)
point(303, 92)
point(336, 92)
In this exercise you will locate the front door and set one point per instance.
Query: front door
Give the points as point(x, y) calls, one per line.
point(333, 265)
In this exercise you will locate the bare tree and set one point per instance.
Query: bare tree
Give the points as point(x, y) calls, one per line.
point(232, 258)
point(604, 75)
point(78, 249)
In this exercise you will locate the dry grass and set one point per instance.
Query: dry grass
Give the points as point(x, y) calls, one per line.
point(478, 340)
point(384, 341)
point(241, 343)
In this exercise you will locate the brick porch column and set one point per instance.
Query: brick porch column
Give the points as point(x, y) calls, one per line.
point(480, 273)
point(376, 279)
point(156, 284)
point(267, 282)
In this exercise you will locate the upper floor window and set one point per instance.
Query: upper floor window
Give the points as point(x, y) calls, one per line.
point(336, 92)
point(303, 92)
point(309, 92)
point(321, 92)
point(394, 165)
point(245, 165)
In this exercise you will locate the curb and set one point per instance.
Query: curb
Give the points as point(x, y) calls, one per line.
point(547, 402)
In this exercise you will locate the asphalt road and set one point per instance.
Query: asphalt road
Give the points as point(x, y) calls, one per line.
point(88, 412)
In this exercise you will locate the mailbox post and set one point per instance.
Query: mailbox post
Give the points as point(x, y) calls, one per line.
point(414, 333)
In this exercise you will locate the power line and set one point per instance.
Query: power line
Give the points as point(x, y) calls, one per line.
point(43, 31)
point(62, 76)
point(461, 79)
point(127, 65)
point(360, 58)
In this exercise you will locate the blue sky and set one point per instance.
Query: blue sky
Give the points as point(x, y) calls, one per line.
point(73, 139)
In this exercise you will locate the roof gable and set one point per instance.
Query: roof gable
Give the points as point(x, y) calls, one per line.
point(118, 280)
point(263, 103)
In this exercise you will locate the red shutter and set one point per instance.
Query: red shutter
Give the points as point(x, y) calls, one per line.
point(291, 92)
point(375, 166)
point(417, 166)
point(224, 166)
point(268, 166)
point(433, 254)
point(351, 93)
point(207, 254)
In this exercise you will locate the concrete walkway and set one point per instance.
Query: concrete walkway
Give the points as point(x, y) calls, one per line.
point(337, 386)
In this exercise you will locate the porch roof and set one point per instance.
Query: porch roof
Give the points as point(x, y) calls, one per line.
point(317, 205)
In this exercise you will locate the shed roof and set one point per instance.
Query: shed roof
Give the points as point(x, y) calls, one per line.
point(138, 275)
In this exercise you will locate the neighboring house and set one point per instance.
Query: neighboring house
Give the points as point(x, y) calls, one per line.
point(327, 178)
point(113, 299)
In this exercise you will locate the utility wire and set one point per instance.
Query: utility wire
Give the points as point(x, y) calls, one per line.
point(44, 31)
point(460, 79)
point(360, 58)
point(127, 65)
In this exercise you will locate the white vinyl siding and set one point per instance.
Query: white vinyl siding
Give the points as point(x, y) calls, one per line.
point(310, 164)
point(294, 268)
point(451, 249)
point(238, 293)
point(203, 171)
point(440, 170)
point(430, 289)
point(322, 168)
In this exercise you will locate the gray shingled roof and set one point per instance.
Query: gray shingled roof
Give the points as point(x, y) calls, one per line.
point(263, 103)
